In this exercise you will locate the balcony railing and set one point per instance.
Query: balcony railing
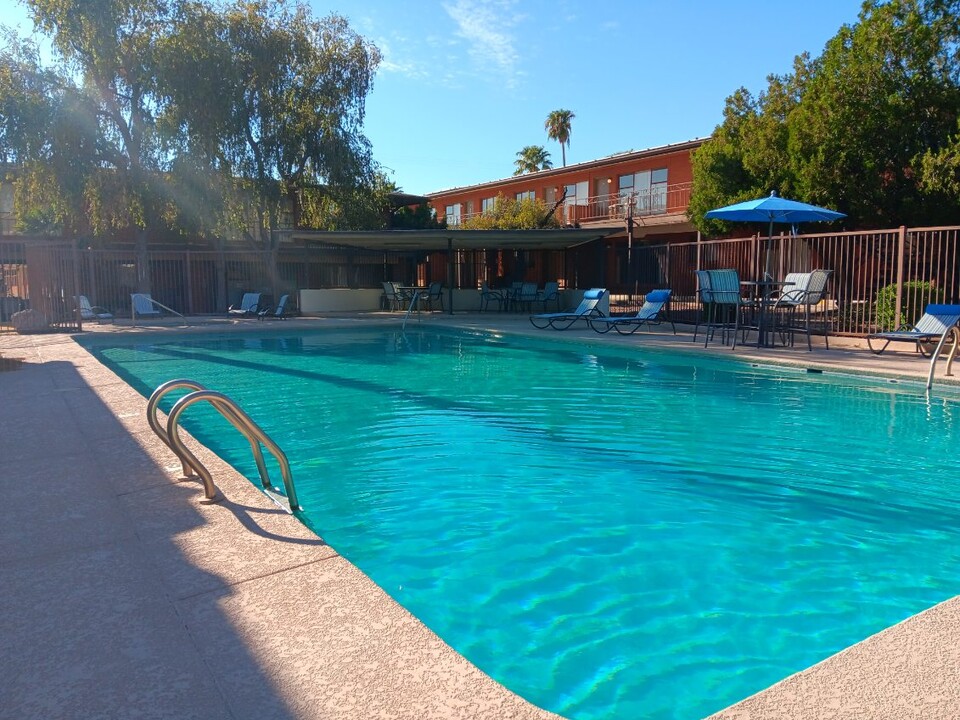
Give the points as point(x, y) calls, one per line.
point(664, 200)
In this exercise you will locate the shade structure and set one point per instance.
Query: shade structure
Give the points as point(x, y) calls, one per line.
point(774, 209)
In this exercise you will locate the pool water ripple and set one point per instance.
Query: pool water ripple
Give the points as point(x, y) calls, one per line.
point(610, 533)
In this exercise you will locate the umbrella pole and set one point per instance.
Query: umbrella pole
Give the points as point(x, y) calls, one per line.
point(766, 271)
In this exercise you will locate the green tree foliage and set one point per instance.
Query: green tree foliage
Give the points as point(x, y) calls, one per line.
point(849, 129)
point(184, 117)
point(940, 171)
point(291, 94)
point(557, 126)
point(507, 214)
point(533, 158)
point(418, 217)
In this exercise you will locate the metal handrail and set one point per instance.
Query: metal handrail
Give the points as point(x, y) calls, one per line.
point(414, 302)
point(951, 333)
point(236, 417)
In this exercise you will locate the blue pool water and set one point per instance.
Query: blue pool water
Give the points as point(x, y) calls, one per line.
point(611, 533)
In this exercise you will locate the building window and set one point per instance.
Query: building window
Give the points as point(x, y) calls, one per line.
point(488, 204)
point(648, 188)
point(528, 195)
point(453, 215)
point(574, 202)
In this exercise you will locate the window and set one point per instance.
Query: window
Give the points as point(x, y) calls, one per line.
point(649, 188)
point(528, 195)
point(453, 215)
point(574, 200)
point(487, 204)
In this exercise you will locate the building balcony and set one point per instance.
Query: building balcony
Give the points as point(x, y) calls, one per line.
point(657, 206)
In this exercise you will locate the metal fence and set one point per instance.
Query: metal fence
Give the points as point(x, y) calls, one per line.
point(879, 279)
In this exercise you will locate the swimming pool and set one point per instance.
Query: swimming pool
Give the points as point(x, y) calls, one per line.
point(608, 532)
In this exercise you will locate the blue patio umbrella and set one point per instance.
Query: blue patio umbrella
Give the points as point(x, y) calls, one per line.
point(774, 209)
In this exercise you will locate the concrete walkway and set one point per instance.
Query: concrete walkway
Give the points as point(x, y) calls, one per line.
point(124, 595)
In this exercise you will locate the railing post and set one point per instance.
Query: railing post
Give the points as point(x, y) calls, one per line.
point(901, 251)
point(189, 283)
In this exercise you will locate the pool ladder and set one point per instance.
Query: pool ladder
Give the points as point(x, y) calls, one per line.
point(236, 417)
point(954, 334)
point(414, 303)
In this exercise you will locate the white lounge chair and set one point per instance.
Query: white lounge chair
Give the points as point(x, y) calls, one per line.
point(93, 312)
point(143, 306)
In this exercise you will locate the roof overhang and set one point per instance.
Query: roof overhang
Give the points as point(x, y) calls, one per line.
point(433, 240)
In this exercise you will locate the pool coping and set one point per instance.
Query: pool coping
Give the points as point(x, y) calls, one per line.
point(240, 620)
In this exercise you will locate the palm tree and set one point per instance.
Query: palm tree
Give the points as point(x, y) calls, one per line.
point(558, 128)
point(533, 158)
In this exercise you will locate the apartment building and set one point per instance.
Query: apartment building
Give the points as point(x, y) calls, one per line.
point(645, 193)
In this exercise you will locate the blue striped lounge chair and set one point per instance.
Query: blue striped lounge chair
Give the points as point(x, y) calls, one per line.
point(653, 312)
point(563, 320)
point(937, 320)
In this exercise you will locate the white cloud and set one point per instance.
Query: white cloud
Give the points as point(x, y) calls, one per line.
point(486, 26)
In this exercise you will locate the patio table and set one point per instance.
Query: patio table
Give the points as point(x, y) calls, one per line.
point(763, 291)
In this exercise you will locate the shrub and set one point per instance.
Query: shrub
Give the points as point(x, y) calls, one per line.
point(916, 295)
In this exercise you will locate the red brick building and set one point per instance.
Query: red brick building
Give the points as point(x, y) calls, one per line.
point(646, 189)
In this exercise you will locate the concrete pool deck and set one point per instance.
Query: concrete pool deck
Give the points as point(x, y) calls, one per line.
point(125, 595)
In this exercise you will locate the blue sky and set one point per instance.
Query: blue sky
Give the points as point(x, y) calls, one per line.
point(465, 84)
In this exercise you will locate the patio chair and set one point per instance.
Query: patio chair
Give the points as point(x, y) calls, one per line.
point(807, 291)
point(720, 293)
point(563, 320)
point(143, 305)
point(90, 312)
point(390, 300)
point(487, 296)
point(526, 297)
point(937, 320)
point(550, 293)
point(706, 300)
point(511, 297)
point(653, 312)
point(276, 313)
point(249, 306)
point(433, 294)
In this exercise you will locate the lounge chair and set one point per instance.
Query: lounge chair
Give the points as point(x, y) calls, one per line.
point(584, 311)
point(937, 320)
point(249, 306)
point(90, 312)
point(143, 306)
point(652, 313)
point(277, 313)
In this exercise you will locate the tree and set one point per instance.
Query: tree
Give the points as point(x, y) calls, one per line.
point(940, 171)
point(507, 214)
point(533, 158)
point(291, 94)
point(850, 129)
point(557, 126)
point(105, 68)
